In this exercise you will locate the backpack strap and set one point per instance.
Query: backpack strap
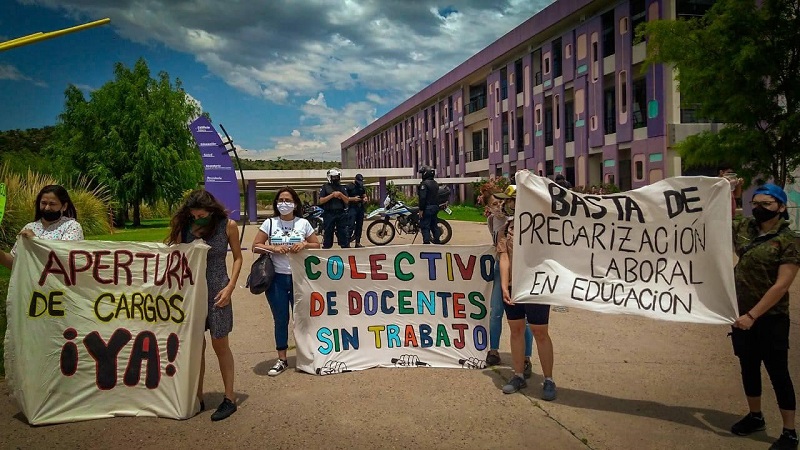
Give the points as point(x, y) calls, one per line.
point(756, 242)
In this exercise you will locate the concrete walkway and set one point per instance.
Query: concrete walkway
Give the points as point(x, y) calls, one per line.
point(624, 383)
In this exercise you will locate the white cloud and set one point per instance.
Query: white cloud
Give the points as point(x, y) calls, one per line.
point(9, 72)
point(285, 51)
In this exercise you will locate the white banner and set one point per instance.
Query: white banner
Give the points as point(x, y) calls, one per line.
point(398, 306)
point(103, 329)
point(662, 251)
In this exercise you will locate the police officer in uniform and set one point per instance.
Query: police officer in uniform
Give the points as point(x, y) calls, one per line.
point(333, 199)
point(357, 195)
point(428, 192)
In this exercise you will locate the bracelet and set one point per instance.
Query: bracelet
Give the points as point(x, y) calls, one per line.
point(750, 316)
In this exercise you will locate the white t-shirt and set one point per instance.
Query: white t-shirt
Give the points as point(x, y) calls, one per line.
point(282, 232)
point(63, 229)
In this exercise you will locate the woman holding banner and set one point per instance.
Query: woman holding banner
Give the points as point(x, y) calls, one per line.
point(55, 218)
point(769, 257)
point(537, 315)
point(287, 232)
point(202, 217)
point(495, 221)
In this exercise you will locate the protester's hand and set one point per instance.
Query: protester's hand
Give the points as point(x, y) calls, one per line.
point(223, 298)
point(26, 233)
point(282, 249)
point(294, 248)
point(507, 297)
point(743, 322)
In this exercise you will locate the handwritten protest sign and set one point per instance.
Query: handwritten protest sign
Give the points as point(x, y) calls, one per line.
point(102, 329)
point(662, 251)
point(399, 306)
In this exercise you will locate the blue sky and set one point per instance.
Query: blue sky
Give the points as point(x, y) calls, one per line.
point(287, 78)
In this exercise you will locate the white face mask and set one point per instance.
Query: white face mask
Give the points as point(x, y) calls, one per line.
point(285, 208)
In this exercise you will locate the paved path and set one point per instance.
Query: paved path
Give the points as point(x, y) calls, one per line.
point(624, 382)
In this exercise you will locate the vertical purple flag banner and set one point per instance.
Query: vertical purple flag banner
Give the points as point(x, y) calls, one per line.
point(220, 176)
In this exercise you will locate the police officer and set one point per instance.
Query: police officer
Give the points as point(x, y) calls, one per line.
point(428, 192)
point(357, 195)
point(333, 199)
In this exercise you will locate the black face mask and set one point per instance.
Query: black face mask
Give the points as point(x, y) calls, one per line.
point(762, 215)
point(51, 216)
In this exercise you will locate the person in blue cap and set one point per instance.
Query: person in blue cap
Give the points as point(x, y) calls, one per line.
point(769, 257)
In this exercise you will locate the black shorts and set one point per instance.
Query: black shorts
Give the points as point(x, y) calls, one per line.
point(535, 313)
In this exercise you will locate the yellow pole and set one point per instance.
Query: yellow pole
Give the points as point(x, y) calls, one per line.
point(36, 37)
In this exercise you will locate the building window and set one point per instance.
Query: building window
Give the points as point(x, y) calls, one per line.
point(520, 133)
point(623, 92)
point(538, 114)
point(687, 9)
point(518, 75)
point(638, 15)
point(537, 67)
point(503, 83)
point(505, 133)
point(623, 26)
point(557, 108)
point(610, 110)
point(640, 103)
point(607, 20)
point(569, 121)
point(548, 125)
point(593, 123)
point(547, 65)
point(568, 51)
point(477, 98)
point(556, 58)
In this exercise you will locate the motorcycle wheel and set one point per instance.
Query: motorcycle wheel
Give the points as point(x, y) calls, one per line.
point(446, 229)
point(380, 232)
point(317, 225)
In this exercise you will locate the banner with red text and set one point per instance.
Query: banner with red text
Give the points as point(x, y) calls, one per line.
point(398, 306)
point(662, 251)
point(102, 329)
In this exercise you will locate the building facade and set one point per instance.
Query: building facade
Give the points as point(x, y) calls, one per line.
point(565, 92)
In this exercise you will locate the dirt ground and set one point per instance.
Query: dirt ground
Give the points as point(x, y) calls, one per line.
point(624, 382)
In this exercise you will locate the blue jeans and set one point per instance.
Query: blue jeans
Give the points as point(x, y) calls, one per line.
point(280, 297)
point(496, 316)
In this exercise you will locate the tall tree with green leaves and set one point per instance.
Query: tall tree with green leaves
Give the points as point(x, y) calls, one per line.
point(740, 63)
point(132, 135)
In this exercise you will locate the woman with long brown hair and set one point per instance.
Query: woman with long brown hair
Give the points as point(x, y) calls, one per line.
point(202, 217)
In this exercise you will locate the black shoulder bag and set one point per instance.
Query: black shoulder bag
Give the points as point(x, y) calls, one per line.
point(262, 271)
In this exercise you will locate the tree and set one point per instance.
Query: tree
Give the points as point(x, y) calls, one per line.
point(740, 63)
point(132, 135)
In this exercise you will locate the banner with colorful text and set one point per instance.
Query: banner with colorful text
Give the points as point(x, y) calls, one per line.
point(662, 251)
point(398, 306)
point(102, 329)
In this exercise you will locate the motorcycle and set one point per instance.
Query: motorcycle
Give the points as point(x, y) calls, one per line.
point(381, 231)
point(313, 214)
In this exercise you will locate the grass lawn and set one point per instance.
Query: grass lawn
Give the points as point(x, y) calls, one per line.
point(465, 212)
point(154, 230)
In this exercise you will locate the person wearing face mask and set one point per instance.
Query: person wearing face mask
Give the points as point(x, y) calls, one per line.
point(202, 217)
point(334, 200)
point(537, 315)
point(769, 257)
point(496, 221)
point(286, 232)
point(55, 218)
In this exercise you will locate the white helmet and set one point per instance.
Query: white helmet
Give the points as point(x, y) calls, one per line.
point(334, 173)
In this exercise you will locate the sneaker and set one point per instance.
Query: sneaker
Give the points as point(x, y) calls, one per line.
point(749, 425)
point(528, 370)
point(493, 358)
point(224, 410)
point(278, 368)
point(785, 442)
point(514, 384)
point(549, 390)
point(359, 246)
